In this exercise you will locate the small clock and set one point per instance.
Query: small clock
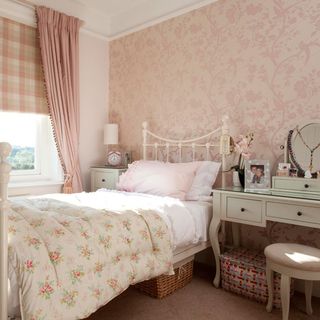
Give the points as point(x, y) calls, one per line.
point(114, 158)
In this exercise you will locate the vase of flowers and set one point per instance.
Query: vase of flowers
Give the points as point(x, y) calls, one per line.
point(242, 148)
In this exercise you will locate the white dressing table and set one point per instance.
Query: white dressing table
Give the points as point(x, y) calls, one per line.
point(234, 205)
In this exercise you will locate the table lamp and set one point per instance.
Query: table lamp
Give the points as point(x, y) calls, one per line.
point(110, 137)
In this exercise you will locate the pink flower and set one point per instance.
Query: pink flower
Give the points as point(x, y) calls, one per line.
point(242, 147)
point(29, 264)
point(55, 257)
point(46, 290)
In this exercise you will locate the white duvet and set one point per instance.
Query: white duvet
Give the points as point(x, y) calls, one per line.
point(69, 260)
point(179, 219)
point(181, 222)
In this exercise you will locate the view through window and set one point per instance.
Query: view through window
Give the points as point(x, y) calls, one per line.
point(21, 130)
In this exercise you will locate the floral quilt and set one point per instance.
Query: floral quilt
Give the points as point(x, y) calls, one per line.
point(71, 260)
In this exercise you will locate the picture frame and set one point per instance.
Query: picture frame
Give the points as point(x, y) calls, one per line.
point(257, 175)
point(284, 166)
point(283, 169)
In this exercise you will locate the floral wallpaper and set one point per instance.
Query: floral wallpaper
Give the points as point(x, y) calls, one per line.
point(257, 61)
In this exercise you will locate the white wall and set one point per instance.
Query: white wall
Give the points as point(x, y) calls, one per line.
point(94, 70)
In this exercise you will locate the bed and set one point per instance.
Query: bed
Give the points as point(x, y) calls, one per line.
point(181, 248)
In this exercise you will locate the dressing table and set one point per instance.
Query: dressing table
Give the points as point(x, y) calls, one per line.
point(235, 205)
point(292, 200)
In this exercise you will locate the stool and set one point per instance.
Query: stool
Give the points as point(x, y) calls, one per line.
point(296, 261)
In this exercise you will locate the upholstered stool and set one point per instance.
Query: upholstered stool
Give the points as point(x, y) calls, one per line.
point(291, 261)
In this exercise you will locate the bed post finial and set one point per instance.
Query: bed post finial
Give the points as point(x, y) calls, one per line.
point(144, 139)
point(5, 168)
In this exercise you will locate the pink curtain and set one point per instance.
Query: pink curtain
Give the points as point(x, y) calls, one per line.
point(59, 44)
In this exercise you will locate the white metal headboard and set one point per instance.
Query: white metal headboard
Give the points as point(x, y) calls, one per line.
point(193, 143)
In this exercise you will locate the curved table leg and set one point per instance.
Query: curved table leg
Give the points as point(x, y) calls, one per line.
point(214, 239)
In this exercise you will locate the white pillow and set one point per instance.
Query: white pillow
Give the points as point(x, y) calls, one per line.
point(202, 183)
point(159, 178)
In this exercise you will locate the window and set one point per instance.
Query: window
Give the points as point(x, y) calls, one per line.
point(33, 155)
point(24, 120)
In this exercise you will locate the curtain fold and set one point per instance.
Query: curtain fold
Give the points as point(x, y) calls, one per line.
point(59, 45)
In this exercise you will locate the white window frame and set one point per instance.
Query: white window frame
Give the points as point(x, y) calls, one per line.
point(47, 165)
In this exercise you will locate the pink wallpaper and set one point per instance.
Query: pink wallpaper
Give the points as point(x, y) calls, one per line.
point(257, 61)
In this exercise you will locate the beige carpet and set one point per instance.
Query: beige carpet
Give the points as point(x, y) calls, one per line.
point(197, 301)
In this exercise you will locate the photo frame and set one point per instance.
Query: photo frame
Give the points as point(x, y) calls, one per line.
point(257, 175)
point(284, 166)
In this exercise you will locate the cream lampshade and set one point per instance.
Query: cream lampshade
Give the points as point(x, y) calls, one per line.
point(111, 131)
point(111, 136)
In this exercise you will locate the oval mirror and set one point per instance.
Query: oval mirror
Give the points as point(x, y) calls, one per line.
point(304, 147)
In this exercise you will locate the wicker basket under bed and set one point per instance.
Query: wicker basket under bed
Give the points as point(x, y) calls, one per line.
point(164, 285)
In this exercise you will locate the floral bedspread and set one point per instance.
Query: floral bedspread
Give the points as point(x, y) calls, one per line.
point(71, 260)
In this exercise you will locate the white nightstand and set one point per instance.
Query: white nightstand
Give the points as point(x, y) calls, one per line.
point(105, 177)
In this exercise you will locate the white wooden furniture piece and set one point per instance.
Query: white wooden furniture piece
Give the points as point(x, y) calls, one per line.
point(5, 169)
point(292, 187)
point(217, 139)
point(291, 261)
point(234, 205)
point(105, 177)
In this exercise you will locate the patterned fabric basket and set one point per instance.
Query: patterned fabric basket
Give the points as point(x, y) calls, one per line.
point(162, 286)
point(243, 271)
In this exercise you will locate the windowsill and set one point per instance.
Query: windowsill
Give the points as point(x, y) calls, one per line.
point(25, 184)
point(29, 188)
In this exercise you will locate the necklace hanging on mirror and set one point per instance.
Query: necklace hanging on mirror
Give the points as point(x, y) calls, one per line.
point(312, 150)
point(292, 155)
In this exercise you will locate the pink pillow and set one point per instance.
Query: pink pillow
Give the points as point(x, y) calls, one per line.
point(202, 183)
point(159, 178)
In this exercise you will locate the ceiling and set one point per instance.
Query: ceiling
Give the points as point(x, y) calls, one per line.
point(112, 18)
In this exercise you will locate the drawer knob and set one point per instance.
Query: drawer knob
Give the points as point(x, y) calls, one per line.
point(306, 185)
point(103, 180)
point(243, 209)
point(299, 213)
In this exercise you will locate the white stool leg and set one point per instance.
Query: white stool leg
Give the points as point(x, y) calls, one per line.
point(308, 293)
point(285, 296)
point(269, 274)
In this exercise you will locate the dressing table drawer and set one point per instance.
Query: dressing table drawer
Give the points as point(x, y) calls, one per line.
point(308, 214)
point(243, 210)
point(296, 184)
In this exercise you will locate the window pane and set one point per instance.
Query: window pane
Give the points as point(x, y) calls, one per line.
point(20, 130)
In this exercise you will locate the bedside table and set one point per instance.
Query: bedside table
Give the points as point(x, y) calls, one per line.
point(105, 177)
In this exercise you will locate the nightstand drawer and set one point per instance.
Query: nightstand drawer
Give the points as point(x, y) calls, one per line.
point(295, 212)
point(244, 210)
point(104, 180)
point(105, 177)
